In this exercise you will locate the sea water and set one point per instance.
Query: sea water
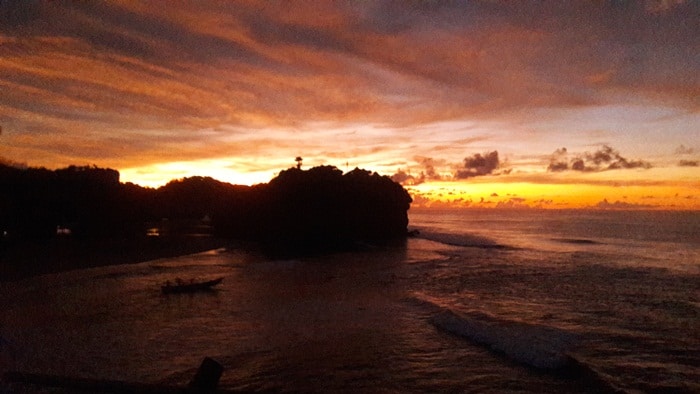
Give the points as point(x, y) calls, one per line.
point(480, 301)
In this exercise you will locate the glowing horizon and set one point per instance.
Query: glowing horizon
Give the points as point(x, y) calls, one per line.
point(515, 102)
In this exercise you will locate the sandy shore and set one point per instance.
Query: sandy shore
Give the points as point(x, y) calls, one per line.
point(26, 259)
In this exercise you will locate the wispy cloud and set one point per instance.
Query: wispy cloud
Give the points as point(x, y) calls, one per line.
point(133, 83)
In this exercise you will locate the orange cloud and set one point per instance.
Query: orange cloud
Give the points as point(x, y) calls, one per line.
point(138, 84)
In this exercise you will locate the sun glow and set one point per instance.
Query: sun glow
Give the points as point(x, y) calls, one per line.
point(490, 124)
point(155, 175)
point(551, 196)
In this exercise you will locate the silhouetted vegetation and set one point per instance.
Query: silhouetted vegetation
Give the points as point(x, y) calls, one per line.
point(320, 209)
point(35, 202)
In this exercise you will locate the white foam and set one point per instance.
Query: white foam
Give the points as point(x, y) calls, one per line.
point(538, 346)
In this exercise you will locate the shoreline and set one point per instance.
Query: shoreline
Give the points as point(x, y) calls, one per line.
point(24, 260)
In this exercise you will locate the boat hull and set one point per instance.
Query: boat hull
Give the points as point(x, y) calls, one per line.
point(190, 287)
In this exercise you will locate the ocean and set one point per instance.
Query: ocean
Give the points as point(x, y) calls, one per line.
point(500, 301)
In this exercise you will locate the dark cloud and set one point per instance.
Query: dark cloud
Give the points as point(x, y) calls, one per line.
point(427, 172)
point(558, 166)
point(608, 158)
point(478, 165)
point(16, 14)
point(287, 33)
point(558, 161)
point(407, 179)
point(605, 158)
point(688, 163)
point(578, 165)
point(428, 164)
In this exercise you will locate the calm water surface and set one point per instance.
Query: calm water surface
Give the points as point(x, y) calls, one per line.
point(481, 301)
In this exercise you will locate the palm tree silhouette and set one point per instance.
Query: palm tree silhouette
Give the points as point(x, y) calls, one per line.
point(298, 160)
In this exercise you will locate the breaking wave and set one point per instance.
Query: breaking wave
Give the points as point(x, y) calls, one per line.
point(464, 240)
point(537, 346)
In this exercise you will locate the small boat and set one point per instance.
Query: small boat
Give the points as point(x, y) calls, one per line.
point(189, 287)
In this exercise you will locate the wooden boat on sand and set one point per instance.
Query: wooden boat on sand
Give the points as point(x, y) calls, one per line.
point(189, 287)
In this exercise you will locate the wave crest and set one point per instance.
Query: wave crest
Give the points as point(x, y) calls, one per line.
point(464, 240)
point(537, 346)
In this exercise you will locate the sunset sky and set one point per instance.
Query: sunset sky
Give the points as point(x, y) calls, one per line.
point(555, 104)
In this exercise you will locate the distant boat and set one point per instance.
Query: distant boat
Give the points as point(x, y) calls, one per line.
point(189, 287)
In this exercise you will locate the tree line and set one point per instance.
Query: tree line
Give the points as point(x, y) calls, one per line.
point(316, 208)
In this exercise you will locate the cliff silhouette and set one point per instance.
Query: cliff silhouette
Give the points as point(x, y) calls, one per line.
point(319, 209)
point(297, 212)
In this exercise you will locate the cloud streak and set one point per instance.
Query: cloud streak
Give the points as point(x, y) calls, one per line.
point(439, 51)
point(129, 84)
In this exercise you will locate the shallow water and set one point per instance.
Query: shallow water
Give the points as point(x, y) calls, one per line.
point(474, 304)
